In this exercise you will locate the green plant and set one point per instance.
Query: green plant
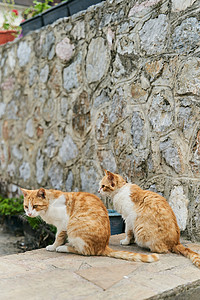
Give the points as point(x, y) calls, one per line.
point(36, 223)
point(10, 16)
point(11, 206)
point(36, 9)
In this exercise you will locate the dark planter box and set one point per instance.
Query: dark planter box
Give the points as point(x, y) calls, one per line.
point(13, 224)
point(117, 225)
point(58, 11)
point(31, 24)
point(78, 5)
point(51, 15)
point(37, 238)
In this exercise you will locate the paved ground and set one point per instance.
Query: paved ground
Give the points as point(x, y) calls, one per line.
point(45, 275)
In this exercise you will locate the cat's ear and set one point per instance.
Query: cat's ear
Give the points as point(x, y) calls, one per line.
point(25, 192)
point(110, 175)
point(41, 193)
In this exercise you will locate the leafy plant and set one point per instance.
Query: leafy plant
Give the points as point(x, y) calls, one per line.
point(36, 223)
point(11, 206)
point(36, 9)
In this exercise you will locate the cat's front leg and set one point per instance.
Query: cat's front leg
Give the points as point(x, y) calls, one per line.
point(128, 238)
point(60, 240)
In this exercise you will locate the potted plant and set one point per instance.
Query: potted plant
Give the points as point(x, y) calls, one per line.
point(9, 30)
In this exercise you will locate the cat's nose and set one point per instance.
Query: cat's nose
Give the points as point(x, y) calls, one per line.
point(29, 214)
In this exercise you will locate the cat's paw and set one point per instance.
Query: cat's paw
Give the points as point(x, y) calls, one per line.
point(62, 248)
point(125, 242)
point(51, 248)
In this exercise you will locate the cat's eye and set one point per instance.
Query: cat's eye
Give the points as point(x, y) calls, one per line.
point(26, 206)
point(35, 206)
point(103, 186)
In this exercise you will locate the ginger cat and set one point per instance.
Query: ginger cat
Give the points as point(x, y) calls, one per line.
point(81, 216)
point(148, 217)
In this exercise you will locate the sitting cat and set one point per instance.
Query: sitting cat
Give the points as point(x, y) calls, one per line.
point(148, 217)
point(81, 216)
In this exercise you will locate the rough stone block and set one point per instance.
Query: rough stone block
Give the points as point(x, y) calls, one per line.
point(97, 61)
point(153, 35)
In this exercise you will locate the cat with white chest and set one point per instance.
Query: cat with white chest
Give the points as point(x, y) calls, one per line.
point(80, 216)
point(149, 219)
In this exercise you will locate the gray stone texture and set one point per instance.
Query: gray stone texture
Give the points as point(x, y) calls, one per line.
point(23, 53)
point(186, 36)
point(161, 115)
point(153, 35)
point(39, 167)
point(170, 153)
point(68, 149)
point(25, 171)
point(137, 127)
point(44, 74)
point(97, 61)
point(89, 180)
point(55, 175)
point(69, 182)
point(29, 128)
point(115, 87)
point(2, 109)
point(71, 75)
point(47, 41)
point(51, 146)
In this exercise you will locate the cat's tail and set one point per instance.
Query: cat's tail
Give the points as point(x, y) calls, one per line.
point(193, 256)
point(130, 255)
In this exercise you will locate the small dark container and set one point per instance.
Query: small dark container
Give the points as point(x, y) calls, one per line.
point(32, 24)
point(116, 222)
point(56, 12)
point(78, 5)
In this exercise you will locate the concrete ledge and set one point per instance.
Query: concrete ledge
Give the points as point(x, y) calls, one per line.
point(45, 275)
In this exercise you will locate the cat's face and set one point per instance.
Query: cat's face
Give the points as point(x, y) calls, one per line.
point(35, 202)
point(110, 183)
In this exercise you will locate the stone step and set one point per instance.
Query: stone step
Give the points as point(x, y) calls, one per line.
point(40, 274)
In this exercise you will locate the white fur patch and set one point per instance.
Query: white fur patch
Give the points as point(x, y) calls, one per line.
point(51, 248)
point(124, 205)
point(58, 202)
point(57, 214)
point(77, 243)
point(62, 248)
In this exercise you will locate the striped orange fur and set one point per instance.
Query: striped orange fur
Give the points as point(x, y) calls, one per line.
point(148, 217)
point(82, 217)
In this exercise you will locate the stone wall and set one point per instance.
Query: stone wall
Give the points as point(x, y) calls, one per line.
point(116, 87)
